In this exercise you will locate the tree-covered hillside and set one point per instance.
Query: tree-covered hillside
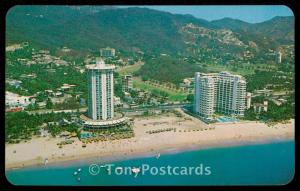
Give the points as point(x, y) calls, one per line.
point(129, 29)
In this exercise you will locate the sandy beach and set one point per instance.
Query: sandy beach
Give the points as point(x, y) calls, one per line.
point(190, 133)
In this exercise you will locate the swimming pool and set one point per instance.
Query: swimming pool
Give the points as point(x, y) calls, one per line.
point(225, 119)
point(85, 135)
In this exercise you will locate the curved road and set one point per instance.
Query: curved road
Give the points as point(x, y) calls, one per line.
point(168, 106)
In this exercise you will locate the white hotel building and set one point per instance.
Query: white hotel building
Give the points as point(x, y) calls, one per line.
point(100, 90)
point(219, 92)
point(204, 95)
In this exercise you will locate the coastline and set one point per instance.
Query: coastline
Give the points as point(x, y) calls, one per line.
point(33, 153)
point(90, 159)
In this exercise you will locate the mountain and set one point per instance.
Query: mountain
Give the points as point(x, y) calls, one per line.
point(279, 29)
point(56, 26)
point(87, 28)
point(232, 24)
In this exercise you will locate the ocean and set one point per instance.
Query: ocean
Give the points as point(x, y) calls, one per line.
point(260, 164)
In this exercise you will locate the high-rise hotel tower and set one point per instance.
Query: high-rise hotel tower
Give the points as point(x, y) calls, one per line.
point(231, 94)
point(204, 98)
point(222, 92)
point(100, 90)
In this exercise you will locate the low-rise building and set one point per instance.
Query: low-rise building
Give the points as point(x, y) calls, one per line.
point(258, 107)
point(28, 76)
point(107, 52)
point(49, 92)
point(127, 83)
point(117, 101)
point(50, 123)
point(82, 101)
point(248, 100)
point(58, 94)
point(264, 92)
point(13, 100)
point(42, 104)
point(64, 121)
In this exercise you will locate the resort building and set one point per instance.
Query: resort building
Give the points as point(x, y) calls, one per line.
point(127, 83)
point(231, 94)
point(279, 57)
point(219, 92)
point(204, 95)
point(258, 107)
point(100, 90)
point(13, 100)
point(100, 112)
point(107, 52)
point(248, 100)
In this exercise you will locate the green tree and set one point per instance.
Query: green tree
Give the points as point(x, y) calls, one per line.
point(190, 97)
point(49, 104)
point(145, 78)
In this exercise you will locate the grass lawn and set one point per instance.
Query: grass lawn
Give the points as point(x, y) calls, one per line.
point(240, 71)
point(129, 69)
point(174, 96)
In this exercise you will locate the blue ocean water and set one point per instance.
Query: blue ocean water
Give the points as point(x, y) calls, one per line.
point(261, 164)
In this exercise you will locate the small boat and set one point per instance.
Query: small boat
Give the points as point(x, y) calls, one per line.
point(75, 173)
point(135, 171)
point(46, 161)
point(79, 170)
point(78, 179)
point(158, 155)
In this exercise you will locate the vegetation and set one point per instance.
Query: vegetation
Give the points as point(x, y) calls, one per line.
point(275, 113)
point(168, 69)
point(113, 133)
point(71, 103)
point(260, 79)
point(159, 91)
point(130, 69)
point(134, 29)
point(56, 129)
point(49, 104)
point(22, 126)
point(190, 97)
point(171, 54)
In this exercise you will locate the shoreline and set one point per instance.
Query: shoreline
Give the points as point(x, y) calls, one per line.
point(143, 154)
point(190, 135)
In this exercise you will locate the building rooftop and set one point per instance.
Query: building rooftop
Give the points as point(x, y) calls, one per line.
point(100, 64)
point(115, 121)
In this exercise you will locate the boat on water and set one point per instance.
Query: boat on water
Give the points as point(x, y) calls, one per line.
point(46, 161)
point(158, 155)
point(79, 169)
point(135, 171)
point(78, 179)
point(75, 173)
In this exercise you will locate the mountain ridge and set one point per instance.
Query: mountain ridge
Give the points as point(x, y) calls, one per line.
point(128, 29)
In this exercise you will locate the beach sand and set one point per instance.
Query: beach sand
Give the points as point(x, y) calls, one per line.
point(35, 151)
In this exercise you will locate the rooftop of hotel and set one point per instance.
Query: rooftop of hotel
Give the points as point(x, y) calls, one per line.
point(223, 73)
point(100, 65)
point(114, 121)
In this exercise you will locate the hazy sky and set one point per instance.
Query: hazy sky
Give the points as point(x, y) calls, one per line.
point(252, 14)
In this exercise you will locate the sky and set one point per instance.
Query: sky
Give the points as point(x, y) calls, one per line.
point(248, 13)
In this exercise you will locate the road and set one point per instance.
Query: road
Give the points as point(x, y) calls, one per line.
point(44, 111)
point(157, 107)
